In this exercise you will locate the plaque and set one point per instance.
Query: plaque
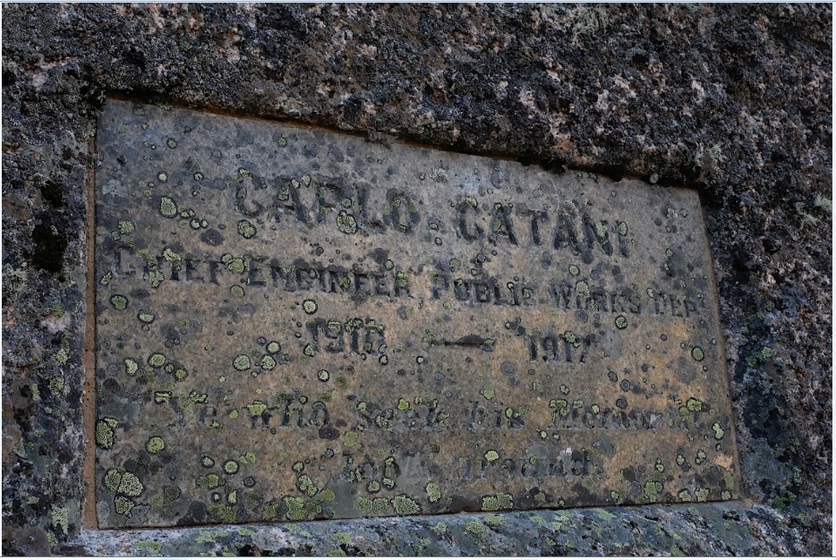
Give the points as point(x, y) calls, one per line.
point(295, 324)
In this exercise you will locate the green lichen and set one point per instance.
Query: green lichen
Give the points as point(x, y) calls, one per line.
point(236, 266)
point(170, 256)
point(112, 479)
point(694, 405)
point(59, 517)
point(156, 360)
point(209, 481)
point(433, 491)
point(155, 445)
point(351, 440)
point(697, 353)
point(205, 537)
point(194, 398)
point(477, 529)
point(326, 495)
point(728, 480)
point(762, 356)
point(306, 485)
point(131, 366)
point(299, 509)
point(148, 548)
point(497, 502)
point(168, 207)
point(652, 490)
point(123, 505)
point(560, 405)
point(154, 277)
point(274, 347)
point(241, 362)
point(372, 507)
point(222, 513)
point(145, 316)
point(236, 291)
point(256, 408)
point(491, 456)
point(621, 228)
point(231, 467)
point(120, 302)
point(404, 505)
point(126, 227)
point(62, 356)
point(309, 306)
point(718, 431)
point(105, 434)
point(246, 229)
point(130, 485)
point(346, 222)
point(268, 363)
point(572, 338)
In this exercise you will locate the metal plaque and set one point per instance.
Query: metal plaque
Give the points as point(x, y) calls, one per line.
point(294, 324)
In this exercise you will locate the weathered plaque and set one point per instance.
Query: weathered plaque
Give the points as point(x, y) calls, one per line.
point(294, 324)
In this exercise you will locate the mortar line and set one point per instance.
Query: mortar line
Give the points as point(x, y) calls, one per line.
point(88, 404)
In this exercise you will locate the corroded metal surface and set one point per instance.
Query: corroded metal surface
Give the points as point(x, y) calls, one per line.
point(295, 324)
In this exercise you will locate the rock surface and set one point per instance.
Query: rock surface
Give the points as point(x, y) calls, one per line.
point(732, 101)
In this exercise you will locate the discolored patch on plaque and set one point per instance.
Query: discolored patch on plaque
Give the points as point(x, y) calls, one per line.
point(295, 324)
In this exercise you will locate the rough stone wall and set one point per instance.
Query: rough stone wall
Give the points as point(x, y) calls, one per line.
point(733, 101)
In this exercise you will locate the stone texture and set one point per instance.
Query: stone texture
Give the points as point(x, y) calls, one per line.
point(295, 324)
point(733, 102)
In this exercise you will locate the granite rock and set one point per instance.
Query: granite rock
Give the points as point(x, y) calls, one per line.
point(731, 101)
